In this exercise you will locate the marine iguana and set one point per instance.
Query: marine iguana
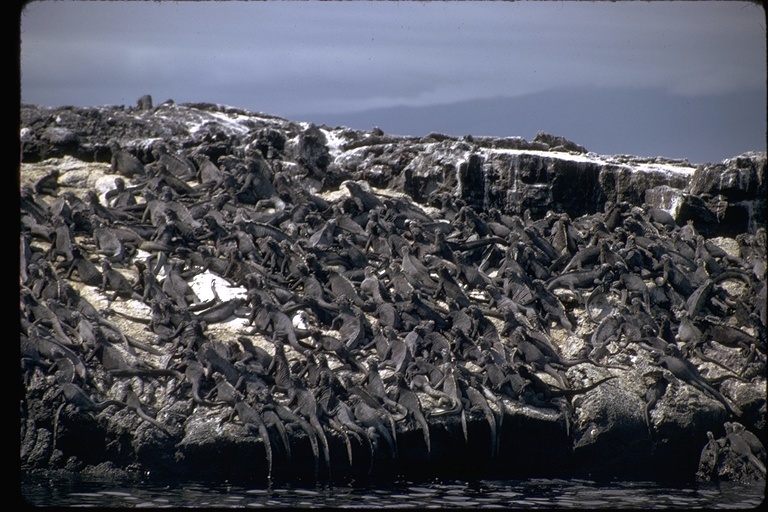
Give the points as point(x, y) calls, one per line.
point(414, 339)
point(31, 204)
point(709, 459)
point(506, 306)
point(373, 288)
point(660, 217)
point(166, 178)
point(585, 257)
point(342, 286)
point(194, 373)
point(540, 243)
point(535, 358)
point(123, 162)
point(323, 237)
point(115, 363)
point(267, 318)
point(423, 310)
point(78, 398)
point(506, 379)
point(222, 311)
point(449, 290)
point(178, 165)
point(564, 237)
point(420, 382)
point(398, 355)
point(632, 284)
point(259, 230)
point(62, 241)
point(121, 197)
point(289, 417)
point(408, 399)
point(687, 372)
point(213, 361)
point(280, 369)
point(114, 281)
point(133, 402)
point(351, 323)
point(45, 283)
point(548, 392)
point(252, 420)
point(334, 346)
point(305, 404)
point(479, 402)
point(578, 279)
point(745, 445)
point(675, 277)
point(176, 287)
point(225, 392)
point(387, 316)
point(329, 393)
point(486, 332)
point(417, 274)
point(654, 391)
point(368, 417)
point(344, 414)
point(272, 419)
point(40, 343)
point(94, 208)
point(38, 312)
point(731, 336)
point(449, 385)
point(438, 345)
point(373, 393)
point(552, 307)
point(147, 284)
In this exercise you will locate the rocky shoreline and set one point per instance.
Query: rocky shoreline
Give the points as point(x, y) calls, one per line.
point(208, 292)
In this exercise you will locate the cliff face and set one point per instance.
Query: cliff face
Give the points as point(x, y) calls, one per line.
point(242, 207)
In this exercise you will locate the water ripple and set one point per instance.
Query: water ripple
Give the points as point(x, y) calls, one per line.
point(481, 494)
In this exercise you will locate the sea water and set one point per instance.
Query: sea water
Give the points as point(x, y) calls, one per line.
point(540, 493)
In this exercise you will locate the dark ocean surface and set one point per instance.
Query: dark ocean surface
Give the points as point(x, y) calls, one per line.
point(541, 493)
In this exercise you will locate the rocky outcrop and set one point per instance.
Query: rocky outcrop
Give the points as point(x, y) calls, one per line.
point(512, 174)
point(129, 379)
point(729, 189)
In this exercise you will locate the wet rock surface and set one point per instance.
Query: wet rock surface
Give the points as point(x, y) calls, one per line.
point(210, 292)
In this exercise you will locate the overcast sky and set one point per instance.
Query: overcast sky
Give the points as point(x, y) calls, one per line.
point(697, 67)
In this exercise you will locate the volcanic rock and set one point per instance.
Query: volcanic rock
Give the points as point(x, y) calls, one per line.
point(147, 365)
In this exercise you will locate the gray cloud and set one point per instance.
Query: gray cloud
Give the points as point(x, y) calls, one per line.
point(303, 57)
